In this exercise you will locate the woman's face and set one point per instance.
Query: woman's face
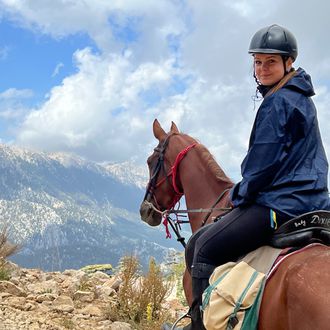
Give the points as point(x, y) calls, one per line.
point(269, 68)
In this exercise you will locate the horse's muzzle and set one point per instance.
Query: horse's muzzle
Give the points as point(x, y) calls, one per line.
point(149, 215)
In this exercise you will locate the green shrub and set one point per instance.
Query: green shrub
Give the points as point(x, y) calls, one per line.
point(67, 323)
point(105, 268)
point(4, 274)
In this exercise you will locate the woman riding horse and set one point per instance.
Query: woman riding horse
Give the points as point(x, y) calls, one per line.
point(284, 173)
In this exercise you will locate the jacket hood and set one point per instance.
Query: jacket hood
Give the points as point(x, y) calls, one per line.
point(301, 82)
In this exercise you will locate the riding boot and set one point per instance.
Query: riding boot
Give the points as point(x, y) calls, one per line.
point(200, 281)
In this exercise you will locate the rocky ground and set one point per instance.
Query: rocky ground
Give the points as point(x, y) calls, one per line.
point(33, 299)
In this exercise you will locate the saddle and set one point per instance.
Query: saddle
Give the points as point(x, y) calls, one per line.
point(311, 227)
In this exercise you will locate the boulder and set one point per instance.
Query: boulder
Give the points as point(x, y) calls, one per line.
point(46, 297)
point(83, 296)
point(43, 287)
point(11, 288)
point(63, 304)
point(92, 311)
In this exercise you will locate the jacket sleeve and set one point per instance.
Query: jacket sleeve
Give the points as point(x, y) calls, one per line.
point(267, 150)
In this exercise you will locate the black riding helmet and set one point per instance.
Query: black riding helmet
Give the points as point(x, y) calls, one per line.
point(274, 39)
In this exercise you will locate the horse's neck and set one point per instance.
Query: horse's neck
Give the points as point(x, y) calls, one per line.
point(202, 188)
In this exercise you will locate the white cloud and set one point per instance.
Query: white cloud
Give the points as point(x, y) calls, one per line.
point(14, 94)
point(253, 10)
point(12, 111)
point(213, 114)
point(57, 69)
point(100, 111)
point(59, 18)
point(11, 103)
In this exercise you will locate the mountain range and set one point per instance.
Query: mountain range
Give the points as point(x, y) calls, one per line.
point(67, 212)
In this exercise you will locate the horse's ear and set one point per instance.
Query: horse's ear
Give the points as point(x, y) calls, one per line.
point(174, 128)
point(159, 133)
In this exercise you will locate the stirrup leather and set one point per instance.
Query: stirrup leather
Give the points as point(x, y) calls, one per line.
point(181, 318)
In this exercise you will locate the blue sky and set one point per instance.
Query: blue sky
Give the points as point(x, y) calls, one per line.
point(89, 77)
point(31, 57)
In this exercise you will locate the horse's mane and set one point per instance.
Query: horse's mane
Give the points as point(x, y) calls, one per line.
point(210, 162)
point(213, 165)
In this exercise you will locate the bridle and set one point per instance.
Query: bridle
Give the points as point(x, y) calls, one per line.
point(154, 183)
point(173, 172)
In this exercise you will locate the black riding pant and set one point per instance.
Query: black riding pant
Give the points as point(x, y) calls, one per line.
point(237, 233)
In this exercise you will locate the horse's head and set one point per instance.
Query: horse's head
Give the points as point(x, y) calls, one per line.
point(164, 189)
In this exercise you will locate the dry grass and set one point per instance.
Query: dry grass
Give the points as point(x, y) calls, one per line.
point(140, 297)
point(6, 250)
point(178, 270)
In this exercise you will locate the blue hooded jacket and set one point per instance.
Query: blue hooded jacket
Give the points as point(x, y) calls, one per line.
point(286, 168)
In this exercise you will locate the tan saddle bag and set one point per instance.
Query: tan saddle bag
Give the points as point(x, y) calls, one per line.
point(233, 290)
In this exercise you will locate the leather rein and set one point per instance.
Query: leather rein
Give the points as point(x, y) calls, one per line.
point(154, 183)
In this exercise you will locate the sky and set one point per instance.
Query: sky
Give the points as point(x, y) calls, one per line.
point(89, 76)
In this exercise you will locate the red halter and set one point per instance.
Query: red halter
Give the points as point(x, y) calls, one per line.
point(174, 172)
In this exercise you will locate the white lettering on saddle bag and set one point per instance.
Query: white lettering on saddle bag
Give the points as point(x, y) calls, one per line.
point(231, 299)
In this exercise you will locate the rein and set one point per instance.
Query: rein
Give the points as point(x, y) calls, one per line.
point(175, 224)
point(213, 207)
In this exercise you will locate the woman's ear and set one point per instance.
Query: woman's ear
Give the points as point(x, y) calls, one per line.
point(288, 64)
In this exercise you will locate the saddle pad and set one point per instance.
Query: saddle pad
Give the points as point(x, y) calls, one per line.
point(262, 259)
point(286, 253)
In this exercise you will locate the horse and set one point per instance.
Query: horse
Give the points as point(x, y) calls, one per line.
point(297, 295)
point(215, 188)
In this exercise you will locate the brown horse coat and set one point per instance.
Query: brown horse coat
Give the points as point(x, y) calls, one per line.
point(297, 296)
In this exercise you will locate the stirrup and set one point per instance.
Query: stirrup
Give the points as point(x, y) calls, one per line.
point(188, 315)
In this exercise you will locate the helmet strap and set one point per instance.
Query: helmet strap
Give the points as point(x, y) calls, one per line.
point(254, 75)
point(285, 58)
point(256, 79)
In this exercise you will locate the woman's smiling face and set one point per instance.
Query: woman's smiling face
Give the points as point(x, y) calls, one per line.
point(269, 68)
